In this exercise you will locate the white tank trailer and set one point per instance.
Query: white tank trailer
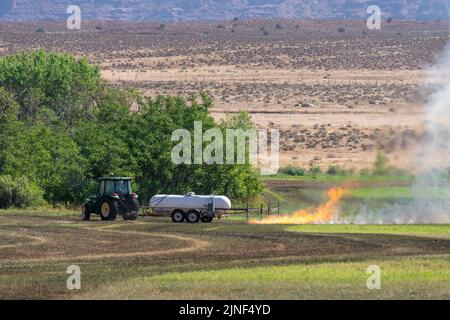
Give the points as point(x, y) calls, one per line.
point(191, 207)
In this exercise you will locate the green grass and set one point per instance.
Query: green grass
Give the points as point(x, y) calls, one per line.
point(339, 179)
point(441, 231)
point(397, 192)
point(41, 212)
point(235, 261)
point(404, 278)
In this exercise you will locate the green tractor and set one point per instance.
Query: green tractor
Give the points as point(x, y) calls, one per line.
point(114, 198)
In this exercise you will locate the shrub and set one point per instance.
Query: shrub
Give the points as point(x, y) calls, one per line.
point(335, 170)
point(341, 30)
point(380, 168)
point(313, 171)
point(292, 171)
point(396, 172)
point(19, 192)
point(364, 172)
point(40, 30)
point(278, 26)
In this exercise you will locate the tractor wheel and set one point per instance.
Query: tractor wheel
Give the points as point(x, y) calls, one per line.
point(130, 216)
point(85, 213)
point(135, 205)
point(109, 210)
point(207, 219)
point(178, 216)
point(193, 216)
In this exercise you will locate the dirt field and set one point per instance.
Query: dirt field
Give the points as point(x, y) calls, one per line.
point(336, 91)
point(138, 260)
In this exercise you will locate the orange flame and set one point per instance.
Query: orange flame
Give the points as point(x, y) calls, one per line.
point(323, 214)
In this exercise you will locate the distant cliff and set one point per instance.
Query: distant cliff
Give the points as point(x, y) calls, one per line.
point(177, 10)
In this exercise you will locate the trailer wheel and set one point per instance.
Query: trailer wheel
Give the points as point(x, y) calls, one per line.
point(207, 219)
point(109, 210)
point(85, 213)
point(178, 216)
point(193, 216)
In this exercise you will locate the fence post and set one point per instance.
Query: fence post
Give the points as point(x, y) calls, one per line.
point(246, 213)
point(278, 207)
point(261, 211)
point(269, 208)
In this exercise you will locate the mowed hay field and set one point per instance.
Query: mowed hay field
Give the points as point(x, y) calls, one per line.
point(153, 258)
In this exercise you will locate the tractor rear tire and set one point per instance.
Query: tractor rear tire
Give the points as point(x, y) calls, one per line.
point(131, 216)
point(109, 209)
point(85, 213)
point(135, 205)
point(178, 216)
point(193, 216)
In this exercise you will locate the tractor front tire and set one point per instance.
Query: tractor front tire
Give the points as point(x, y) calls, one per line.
point(109, 209)
point(178, 216)
point(85, 213)
point(193, 216)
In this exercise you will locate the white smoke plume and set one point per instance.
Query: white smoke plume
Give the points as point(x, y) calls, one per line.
point(431, 188)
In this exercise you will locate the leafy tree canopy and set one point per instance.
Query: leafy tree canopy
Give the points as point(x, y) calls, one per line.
point(62, 127)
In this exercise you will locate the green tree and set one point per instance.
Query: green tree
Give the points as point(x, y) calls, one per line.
point(19, 192)
point(8, 120)
point(48, 157)
point(148, 134)
point(62, 128)
point(60, 82)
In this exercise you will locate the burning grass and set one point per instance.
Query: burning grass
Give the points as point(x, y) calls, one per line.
point(325, 213)
point(364, 202)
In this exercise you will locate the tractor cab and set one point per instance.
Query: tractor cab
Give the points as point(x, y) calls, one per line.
point(114, 197)
point(119, 186)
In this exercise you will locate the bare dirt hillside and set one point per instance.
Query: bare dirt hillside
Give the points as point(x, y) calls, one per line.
point(337, 91)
